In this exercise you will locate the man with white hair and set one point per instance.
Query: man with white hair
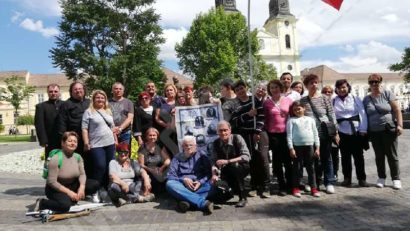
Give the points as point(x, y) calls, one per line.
point(188, 177)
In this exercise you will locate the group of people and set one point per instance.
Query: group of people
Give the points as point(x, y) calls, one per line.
point(300, 129)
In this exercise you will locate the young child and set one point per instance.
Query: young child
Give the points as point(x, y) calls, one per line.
point(303, 142)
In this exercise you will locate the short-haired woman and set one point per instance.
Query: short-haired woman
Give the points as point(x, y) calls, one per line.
point(385, 125)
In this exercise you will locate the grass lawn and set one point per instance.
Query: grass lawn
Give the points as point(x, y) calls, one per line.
point(14, 138)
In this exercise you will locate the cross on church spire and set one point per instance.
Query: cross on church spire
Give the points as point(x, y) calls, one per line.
point(278, 8)
point(228, 5)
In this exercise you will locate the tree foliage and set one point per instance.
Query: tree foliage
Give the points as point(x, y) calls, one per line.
point(404, 65)
point(104, 41)
point(15, 92)
point(25, 120)
point(216, 47)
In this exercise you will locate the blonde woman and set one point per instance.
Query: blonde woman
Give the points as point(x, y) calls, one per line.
point(98, 136)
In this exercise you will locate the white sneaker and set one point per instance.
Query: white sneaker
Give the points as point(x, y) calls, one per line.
point(380, 183)
point(95, 198)
point(330, 189)
point(396, 184)
point(307, 188)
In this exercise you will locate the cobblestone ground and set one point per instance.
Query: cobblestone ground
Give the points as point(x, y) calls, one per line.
point(349, 209)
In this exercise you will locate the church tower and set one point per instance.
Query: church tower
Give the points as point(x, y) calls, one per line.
point(278, 39)
point(228, 5)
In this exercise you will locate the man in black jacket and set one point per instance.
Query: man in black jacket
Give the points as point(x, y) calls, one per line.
point(45, 118)
point(71, 113)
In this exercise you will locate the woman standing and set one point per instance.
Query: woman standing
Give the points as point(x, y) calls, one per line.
point(352, 121)
point(98, 136)
point(154, 160)
point(298, 87)
point(319, 108)
point(276, 110)
point(385, 125)
point(143, 118)
point(165, 119)
point(66, 184)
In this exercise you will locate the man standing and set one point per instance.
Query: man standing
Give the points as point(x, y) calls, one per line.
point(230, 157)
point(122, 112)
point(287, 78)
point(71, 114)
point(228, 98)
point(188, 177)
point(151, 89)
point(45, 118)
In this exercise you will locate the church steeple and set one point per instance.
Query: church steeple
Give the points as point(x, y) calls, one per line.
point(228, 5)
point(278, 8)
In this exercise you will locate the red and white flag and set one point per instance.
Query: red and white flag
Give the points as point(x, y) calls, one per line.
point(335, 3)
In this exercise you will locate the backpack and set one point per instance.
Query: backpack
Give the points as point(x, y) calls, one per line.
point(58, 152)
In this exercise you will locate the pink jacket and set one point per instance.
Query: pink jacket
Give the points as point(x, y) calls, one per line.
point(276, 118)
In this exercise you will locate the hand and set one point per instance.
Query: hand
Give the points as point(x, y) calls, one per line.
point(140, 141)
point(337, 139)
point(317, 153)
point(147, 186)
point(172, 112)
point(292, 153)
point(87, 147)
point(197, 185)
point(220, 163)
point(256, 137)
point(189, 183)
point(363, 133)
point(399, 130)
point(252, 112)
point(73, 196)
point(116, 130)
point(81, 193)
point(214, 179)
point(125, 187)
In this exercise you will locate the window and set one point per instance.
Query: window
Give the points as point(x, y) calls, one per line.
point(40, 97)
point(290, 67)
point(287, 40)
point(1, 118)
point(286, 23)
point(262, 44)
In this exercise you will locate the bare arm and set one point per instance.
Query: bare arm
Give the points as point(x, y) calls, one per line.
point(86, 139)
point(399, 117)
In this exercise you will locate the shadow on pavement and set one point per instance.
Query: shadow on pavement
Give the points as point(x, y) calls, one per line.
point(31, 191)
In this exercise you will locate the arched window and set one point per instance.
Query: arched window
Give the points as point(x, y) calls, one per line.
point(262, 44)
point(290, 67)
point(287, 40)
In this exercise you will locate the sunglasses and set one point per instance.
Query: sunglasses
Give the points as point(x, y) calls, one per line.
point(52, 91)
point(144, 98)
point(328, 92)
point(123, 153)
point(374, 82)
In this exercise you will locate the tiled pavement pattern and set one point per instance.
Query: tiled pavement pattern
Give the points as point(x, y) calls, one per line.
point(349, 209)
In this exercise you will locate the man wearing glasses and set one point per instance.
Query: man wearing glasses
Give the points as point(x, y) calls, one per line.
point(45, 118)
point(188, 178)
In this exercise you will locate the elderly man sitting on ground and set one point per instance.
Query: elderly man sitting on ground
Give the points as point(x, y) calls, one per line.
point(188, 177)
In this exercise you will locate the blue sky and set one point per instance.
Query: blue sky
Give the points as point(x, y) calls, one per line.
point(364, 36)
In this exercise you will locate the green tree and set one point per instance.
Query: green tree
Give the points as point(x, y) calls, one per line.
point(26, 120)
point(216, 47)
point(15, 92)
point(104, 41)
point(404, 65)
point(1, 128)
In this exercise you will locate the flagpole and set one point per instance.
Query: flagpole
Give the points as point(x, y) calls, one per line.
point(251, 61)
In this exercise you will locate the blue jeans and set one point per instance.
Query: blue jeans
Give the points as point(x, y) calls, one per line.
point(125, 137)
point(325, 164)
point(180, 192)
point(100, 158)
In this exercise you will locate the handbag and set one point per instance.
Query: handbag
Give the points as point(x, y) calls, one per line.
point(221, 192)
point(328, 128)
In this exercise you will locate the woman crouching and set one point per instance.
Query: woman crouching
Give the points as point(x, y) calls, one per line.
point(126, 179)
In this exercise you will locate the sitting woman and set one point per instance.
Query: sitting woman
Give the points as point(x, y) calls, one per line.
point(154, 160)
point(66, 180)
point(126, 178)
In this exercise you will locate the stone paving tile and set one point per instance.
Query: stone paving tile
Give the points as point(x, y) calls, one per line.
point(349, 209)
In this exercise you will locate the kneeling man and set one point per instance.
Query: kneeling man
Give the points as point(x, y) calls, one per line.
point(188, 177)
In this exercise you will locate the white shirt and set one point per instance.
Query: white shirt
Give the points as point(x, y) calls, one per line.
point(350, 106)
point(293, 95)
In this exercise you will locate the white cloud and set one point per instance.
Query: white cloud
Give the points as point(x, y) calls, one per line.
point(37, 26)
point(367, 57)
point(16, 16)
point(41, 7)
point(392, 18)
point(172, 37)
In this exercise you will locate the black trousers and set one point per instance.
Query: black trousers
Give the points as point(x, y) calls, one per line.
point(304, 158)
point(350, 145)
point(234, 174)
point(61, 202)
point(259, 163)
point(281, 159)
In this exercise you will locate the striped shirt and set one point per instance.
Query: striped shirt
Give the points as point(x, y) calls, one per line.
point(242, 122)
